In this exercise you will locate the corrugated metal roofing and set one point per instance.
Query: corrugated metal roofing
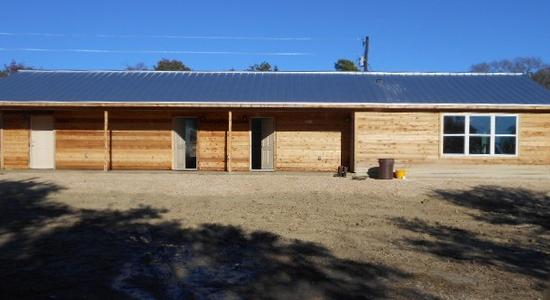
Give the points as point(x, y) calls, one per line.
point(273, 87)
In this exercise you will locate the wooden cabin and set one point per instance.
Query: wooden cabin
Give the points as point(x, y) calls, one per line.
point(254, 121)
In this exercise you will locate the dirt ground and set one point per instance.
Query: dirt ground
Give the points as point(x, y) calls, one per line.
point(168, 235)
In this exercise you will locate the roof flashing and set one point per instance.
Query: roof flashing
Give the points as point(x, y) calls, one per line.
point(286, 72)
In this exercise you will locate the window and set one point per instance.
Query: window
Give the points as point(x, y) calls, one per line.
point(454, 134)
point(505, 135)
point(480, 134)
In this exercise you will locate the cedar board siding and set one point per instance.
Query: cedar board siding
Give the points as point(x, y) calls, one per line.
point(316, 141)
point(1, 140)
point(140, 140)
point(240, 142)
point(414, 137)
point(211, 140)
point(404, 136)
point(534, 137)
point(304, 141)
point(79, 140)
point(15, 140)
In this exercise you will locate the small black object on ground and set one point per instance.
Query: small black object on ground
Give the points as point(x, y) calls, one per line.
point(342, 171)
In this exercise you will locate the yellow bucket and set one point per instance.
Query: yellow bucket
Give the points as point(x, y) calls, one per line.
point(401, 174)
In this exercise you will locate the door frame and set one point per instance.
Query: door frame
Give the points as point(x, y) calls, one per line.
point(54, 152)
point(274, 144)
point(2, 145)
point(174, 143)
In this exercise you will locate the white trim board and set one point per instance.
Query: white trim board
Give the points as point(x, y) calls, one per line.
point(369, 105)
point(286, 72)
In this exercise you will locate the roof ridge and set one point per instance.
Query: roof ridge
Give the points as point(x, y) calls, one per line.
point(288, 72)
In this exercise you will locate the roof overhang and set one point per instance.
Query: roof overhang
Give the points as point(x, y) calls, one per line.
point(359, 106)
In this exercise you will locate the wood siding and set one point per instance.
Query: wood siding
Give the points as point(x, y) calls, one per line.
point(137, 139)
point(140, 140)
point(415, 138)
point(404, 136)
point(534, 136)
point(240, 143)
point(16, 136)
point(312, 141)
point(1, 140)
point(212, 141)
point(79, 140)
point(304, 140)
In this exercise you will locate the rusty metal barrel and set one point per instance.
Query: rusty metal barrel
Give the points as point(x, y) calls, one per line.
point(385, 169)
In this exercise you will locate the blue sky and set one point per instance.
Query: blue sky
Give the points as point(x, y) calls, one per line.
point(422, 35)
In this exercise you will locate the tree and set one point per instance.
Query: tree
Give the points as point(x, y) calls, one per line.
point(13, 67)
point(263, 67)
point(543, 77)
point(345, 65)
point(481, 68)
point(516, 65)
point(534, 65)
point(171, 65)
point(138, 67)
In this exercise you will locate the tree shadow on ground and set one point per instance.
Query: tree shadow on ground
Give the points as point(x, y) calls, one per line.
point(51, 250)
point(463, 245)
point(493, 205)
point(502, 205)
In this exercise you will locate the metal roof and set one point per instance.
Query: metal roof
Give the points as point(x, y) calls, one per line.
point(272, 87)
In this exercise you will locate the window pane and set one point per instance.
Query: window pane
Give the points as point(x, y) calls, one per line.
point(505, 145)
point(454, 124)
point(453, 145)
point(480, 145)
point(190, 143)
point(480, 125)
point(505, 125)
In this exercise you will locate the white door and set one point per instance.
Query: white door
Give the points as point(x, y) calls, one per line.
point(42, 150)
point(267, 144)
point(179, 144)
point(185, 142)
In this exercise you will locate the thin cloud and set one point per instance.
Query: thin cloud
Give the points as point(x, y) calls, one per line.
point(110, 51)
point(195, 37)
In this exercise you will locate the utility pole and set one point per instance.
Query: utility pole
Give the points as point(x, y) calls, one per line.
point(365, 58)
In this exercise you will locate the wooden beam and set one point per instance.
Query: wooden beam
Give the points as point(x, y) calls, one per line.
point(353, 143)
point(2, 146)
point(229, 138)
point(106, 140)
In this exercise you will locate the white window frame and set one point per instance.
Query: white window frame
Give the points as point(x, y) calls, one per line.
point(467, 135)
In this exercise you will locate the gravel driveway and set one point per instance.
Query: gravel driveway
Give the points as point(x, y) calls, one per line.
point(169, 235)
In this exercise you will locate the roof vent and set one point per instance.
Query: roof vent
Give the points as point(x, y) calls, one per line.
point(379, 81)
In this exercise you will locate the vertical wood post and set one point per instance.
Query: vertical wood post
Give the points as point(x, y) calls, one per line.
point(229, 138)
point(2, 145)
point(106, 140)
point(353, 154)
